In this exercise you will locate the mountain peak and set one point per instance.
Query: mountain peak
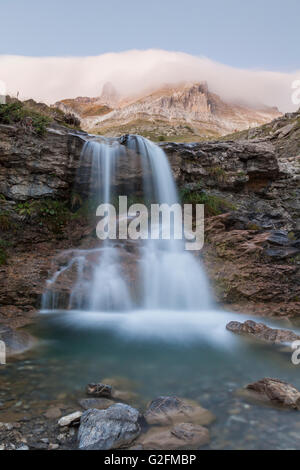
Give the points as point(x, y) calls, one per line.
point(183, 110)
point(109, 96)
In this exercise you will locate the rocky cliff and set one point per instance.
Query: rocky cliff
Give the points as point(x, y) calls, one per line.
point(188, 111)
point(250, 188)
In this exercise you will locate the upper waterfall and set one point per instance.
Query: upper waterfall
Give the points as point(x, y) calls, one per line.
point(164, 276)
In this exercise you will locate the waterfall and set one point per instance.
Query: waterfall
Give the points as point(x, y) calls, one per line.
point(166, 276)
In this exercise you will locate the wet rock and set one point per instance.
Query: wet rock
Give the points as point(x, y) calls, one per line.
point(113, 428)
point(99, 390)
point(70, 420)
point(183, 436)
point(276, 392)
point(95, 403)
point(262, 332)
point(172, 410)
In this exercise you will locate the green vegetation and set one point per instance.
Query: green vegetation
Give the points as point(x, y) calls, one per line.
point(16, 112)
point(54, 214)
point(214, 205)
point(218, 173)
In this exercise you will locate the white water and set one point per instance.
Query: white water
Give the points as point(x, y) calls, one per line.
point(168, 278)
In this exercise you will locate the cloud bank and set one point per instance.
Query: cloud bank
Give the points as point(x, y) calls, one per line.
point(50, 79)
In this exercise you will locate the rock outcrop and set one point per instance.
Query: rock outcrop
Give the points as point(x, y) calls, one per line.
point(186, 110)
point(33, 167)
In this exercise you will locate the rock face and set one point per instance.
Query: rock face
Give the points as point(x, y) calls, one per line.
point(31, 167)
point(185, 109)
point(226, 165)
point(262, 332)
point(276, 392)
point(171, 410)
point(110, 429)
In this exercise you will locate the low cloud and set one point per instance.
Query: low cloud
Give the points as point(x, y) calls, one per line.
point(50, 79)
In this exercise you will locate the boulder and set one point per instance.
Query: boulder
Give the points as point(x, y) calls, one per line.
point(172, 410)
point(275, 392)
point(183, 436)
point(262, 332)
point(116, 427)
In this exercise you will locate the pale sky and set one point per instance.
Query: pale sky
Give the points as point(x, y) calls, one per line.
point(247, 50)
point(242, 33)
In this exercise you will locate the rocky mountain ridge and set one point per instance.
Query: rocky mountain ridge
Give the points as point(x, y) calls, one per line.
point(187, 110)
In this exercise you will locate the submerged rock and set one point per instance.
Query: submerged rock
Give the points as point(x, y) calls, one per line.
point(53, 412)
point(183, 436)
point(276, 392)
point(172, 410)
point(99, 390)
point(262, 332)
point(113, 428)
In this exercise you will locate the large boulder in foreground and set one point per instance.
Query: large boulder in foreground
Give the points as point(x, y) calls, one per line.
point(275, 392)
point(262, 332)
point(113, 428)
point(166, 411)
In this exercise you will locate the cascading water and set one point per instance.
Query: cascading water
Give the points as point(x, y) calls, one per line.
point(167, 276)
point(172, 278)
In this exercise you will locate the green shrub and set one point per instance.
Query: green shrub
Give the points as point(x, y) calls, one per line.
point(214, 205)
point(17, 113)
